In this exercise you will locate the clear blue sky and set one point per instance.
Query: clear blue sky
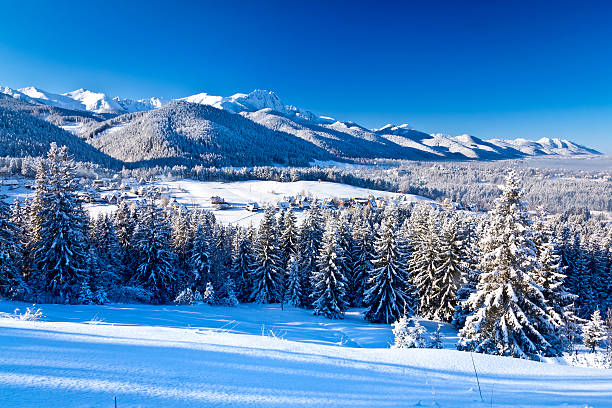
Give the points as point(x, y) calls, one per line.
point(490, 68)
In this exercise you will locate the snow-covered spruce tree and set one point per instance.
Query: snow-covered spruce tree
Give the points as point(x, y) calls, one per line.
point(437, 338)
point(60, 247)
point(293, 292)
point(594, 331)
point(329, 295)
point(549, 276)
point(288, 236)
point(510, 316)
point(156, 263)
point(469, 236)
point(345, 242)
point(388, 278)
point(267, 273)
point(311, 234)
point(181, 236)
point(124, 225)
point(209, 294)
point(363, 249)
point(451, 272)
point(582, 277)
point(424, 265)
point(409, 333)
point(12, 284)
point(199, 261)
point(242, 260)
point(105, 246)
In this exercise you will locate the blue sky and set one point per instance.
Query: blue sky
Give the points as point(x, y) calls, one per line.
point(490, 68)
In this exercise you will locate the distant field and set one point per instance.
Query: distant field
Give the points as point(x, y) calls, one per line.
point(238, 194)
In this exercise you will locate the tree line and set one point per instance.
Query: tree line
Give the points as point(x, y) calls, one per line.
point(514, 283)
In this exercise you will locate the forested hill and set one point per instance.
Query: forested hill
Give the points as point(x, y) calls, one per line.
point(23, 134)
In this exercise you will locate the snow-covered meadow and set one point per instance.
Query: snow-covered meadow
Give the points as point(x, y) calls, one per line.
point(238, 194)
point(258, 355)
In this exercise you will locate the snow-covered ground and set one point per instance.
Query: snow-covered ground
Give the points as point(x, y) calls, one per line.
point(238, 194)
point(258, 355)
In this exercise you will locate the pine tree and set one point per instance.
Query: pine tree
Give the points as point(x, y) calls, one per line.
point(156, 262)
point(209, 294)
point(199, 260)
point(242, 260)
point(583, 286)
point(329, 295)
point(509, 315)
point(594, 331)
point(288, 237)
point(409, 333)
point(181, 236)
point(293, 293)
point(311, 234)
point(12, 283)
point(424, 265)
point(267, 274)
point(451, 270)
point(362, 257)
point(60, 239)
point(388, 278)
point(550, 279)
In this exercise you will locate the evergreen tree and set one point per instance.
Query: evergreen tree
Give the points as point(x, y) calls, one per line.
point(199, 260)
point(311, 234)
point(362, 257)
point(61, 224)
point(329, 295)
point(12, 283)
point(424, 265)
point(156, 262)
point(388, 278)
point(242, 260)
point(451, 270)
point(288, 237)
point(267, 273)
point(293, 293)
point(594, 331)
point(582, 278)
point(510, 316)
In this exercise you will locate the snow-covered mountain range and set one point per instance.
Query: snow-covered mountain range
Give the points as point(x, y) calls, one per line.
point(84, 100)
point(264, 111)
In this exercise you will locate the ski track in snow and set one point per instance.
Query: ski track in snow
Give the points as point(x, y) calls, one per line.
point(203, 356)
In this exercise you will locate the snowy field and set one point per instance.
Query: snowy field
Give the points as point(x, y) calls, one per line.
point(238, 194)
point(258, 355)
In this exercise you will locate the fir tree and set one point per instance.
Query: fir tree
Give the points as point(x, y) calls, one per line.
point(451, 270)
point(311, 234)
point(362, 257)
point(288, 236)
point(242, 260)
point(60, 238)
point(510, 316)
point(267, 274)
point(594, 331)
point(424, 267)
point(293, 293)
point(329, 295)
point(12, 283)
point(199, 260)
point(388, 278)
point(156, 262)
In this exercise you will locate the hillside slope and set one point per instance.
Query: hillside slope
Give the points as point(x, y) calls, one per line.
point(182, 133)
point(23, 134)
point(258, 356)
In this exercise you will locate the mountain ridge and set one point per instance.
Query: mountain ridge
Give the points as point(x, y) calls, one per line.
point(204, 136)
